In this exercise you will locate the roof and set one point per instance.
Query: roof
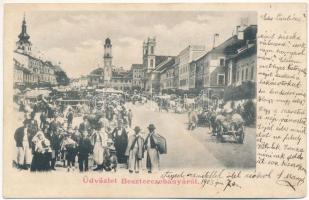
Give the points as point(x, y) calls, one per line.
point(232, 44)
point(168, 63)
point(244, 51)
point(136, 66)
point(228, 47)
point(19, 66)
point(108, 41)
point(97, 71)
point(122, 74)
point(160, 59)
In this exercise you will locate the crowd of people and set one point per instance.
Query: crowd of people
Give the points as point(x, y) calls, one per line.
point(101, 142)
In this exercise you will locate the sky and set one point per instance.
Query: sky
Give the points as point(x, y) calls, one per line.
point(76, 38)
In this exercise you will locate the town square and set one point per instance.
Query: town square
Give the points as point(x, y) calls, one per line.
point(193, 107)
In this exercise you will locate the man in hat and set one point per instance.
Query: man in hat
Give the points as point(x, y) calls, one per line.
point(135, 150)
point(53, 126)
point(84, 149)
point(53, 136)
point(69, 117)
point(120, 136)
point(23, 143)
point(84, 126)
point(152, 152)
point(43, 118)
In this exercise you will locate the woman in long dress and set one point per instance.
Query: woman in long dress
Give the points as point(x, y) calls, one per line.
point(99, 141)
point(40, 159)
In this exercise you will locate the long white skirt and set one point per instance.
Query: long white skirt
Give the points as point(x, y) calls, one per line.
point(98, 153)
point(24, 155)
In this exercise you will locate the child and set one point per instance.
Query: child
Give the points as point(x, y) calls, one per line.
point(69, 146)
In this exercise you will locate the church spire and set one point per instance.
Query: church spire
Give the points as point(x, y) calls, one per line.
point(23, 44)
point(23, 36)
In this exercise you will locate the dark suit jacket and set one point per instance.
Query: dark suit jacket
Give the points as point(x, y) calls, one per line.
point(53, 126)
point(84, 127)
point(114, 132)
point(19, 135)
point(54, 141)
point(84, 146)
point(152, 143)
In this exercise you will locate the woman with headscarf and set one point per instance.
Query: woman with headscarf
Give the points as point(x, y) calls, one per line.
point(40, 160)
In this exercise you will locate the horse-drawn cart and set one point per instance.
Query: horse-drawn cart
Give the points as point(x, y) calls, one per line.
point(230, 125)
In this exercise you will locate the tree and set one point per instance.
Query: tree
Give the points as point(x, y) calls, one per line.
point(62, 78)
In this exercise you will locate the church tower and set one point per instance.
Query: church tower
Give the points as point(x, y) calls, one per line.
point(23, 45)
point(149, 53)
point(108, 60)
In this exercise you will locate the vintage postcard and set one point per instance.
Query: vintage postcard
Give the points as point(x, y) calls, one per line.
point(155, 100)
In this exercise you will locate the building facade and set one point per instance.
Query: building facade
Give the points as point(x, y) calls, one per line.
point(29, 70)
point(153, 65)
point(110, 76)
point(218, 63)
point(167, 78)
point(80, 82)
point(122, 80)
point(137, 74)
point(185, 57)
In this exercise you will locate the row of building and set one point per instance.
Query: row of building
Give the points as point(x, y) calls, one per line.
point(30, 70)
point(106, 76)
point(230, 65)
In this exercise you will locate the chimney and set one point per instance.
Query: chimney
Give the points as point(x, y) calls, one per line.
point(240, 33)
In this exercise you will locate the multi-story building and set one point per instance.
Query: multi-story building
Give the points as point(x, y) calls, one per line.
point(110, 76)
point(185, 57)
point(22, 76)
point(176, 73)
point(121, 80)
point(241, 66)
point(138, 74)
point(152, 65)
point(214, 72)
point(96, 78)
point(241, 70)
point(34, 70)
point(80, 82)
point(167, 78)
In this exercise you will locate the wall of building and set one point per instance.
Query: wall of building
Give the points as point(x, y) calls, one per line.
point(246, 69)
point(214, 65)
point(185, 57)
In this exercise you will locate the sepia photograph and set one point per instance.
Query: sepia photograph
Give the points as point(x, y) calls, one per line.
point(128, 90)
point(158, 100)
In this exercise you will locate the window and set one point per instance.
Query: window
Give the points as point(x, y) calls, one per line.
point(237, 76)
point(252, 73)
point(220, 79)
point(221, 62)
point(246, 73)
point(151, 63)
point(242, 74)
point(151, 50)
